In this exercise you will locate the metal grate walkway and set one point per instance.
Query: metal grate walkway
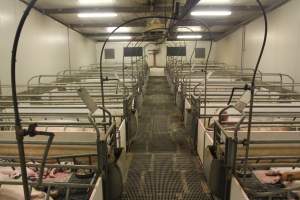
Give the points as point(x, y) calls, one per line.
point(162, 167)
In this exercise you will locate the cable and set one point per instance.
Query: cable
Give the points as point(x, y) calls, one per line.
point(18, 126)
point(253, 83)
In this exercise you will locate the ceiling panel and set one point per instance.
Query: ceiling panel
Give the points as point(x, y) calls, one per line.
point(50, 4)
point(235, 2)
point(108, 29)
point(66, 11)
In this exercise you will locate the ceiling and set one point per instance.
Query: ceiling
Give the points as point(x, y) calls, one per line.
point(66, 12)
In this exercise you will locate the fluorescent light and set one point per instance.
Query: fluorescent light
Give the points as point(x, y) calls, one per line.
point(97, 15)
point(120, 30)
point(214, 2)
point(96, 2)
point(189, 28)
point(212, 13)
point(127, 37)
point(189, 36)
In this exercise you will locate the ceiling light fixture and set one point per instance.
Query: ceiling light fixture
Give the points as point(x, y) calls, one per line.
point(96, 2)
point(212, 13)
point(189, 36)
point(189, 28)
point(127, 37)
point(214, 2)
point(120, 30)
point(97, 15)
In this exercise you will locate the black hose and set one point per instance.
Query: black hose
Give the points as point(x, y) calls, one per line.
point(253, 83)
point(233, 90)
point(18, 126)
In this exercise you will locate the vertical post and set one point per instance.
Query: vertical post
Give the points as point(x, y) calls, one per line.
point(103, 165)
point(69, 51)
point(230, 155)
point(126, 117)
point(137, 71)
point(123, 76)
point(243, 48)
point(143, 67)
point(102, 86)
point(131, 73)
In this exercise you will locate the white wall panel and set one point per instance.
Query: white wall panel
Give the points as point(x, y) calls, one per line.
point(161, 57)
point(7, 27)
point(43, 47)
point(82, 50)
point(190, 45)
point(283, 45)
point(117, 46)
point(229, 49)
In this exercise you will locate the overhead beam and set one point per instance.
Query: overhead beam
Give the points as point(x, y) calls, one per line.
point(107, 24)
point(185, 22)
point(213, 22)
point(151, 40)
point(184, 11)
point(119, 9)
point(205, 35)
point(144, 9)
point(107, 34)
point(149, 33)
point(228, 7)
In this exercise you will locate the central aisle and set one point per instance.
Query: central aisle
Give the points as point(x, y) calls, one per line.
point(162, 167)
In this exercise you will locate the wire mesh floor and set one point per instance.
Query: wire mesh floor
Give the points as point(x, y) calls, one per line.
point(162, 166)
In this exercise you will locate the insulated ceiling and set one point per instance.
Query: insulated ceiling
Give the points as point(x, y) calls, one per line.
point(66, 12)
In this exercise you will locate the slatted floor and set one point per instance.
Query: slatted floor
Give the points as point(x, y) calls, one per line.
point(163, 167)
point(253, 184)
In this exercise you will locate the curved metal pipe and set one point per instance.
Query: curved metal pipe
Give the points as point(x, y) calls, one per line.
point(18, 125)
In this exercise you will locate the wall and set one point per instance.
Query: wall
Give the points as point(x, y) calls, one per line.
point(283, 45)
point(43, 47)
point(161, 57)
point(117, 46)
point(190, 45)
point(229, 49)
point(82, 50)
